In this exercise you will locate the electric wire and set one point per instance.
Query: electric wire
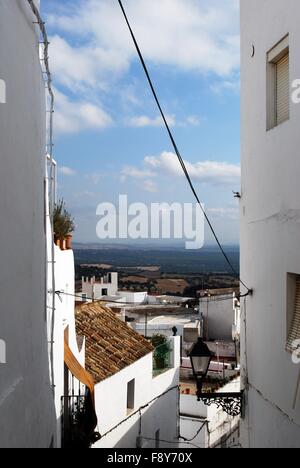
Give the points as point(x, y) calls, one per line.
point(140, 415)
point(107, 301)
point(178, 154)
point(139, 411)
point(196, 435)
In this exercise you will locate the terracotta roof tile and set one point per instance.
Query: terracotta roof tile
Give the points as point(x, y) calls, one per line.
point(111, 345)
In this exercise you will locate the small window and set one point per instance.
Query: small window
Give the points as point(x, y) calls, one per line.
point(104, 292)
point(293, 312)
point(131, 396)
point(278, 84)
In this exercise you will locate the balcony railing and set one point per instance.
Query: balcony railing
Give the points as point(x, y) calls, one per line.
point(163, 358)
point(78, 421)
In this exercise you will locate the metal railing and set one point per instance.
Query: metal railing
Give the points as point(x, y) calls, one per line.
point(73, 411)
point(79, 422)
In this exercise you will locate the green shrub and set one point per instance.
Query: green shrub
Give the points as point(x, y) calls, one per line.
point(63, 223)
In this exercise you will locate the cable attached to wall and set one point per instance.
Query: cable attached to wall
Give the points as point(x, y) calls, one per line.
point(139, 412)
point(196, 435)
point(106, 301)
point(49, 150)
point(178, 154)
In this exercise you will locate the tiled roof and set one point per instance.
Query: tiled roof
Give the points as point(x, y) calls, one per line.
point(111, 345)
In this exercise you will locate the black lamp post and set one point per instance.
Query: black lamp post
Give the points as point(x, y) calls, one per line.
point(201, 356)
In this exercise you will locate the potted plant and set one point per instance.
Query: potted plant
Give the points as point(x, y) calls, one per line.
point(162, 350)
point(63, 225)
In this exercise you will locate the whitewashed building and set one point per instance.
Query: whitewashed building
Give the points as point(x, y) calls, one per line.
point(217, 310)
point(207, 427)
point(136, 406)
point(93, 289)
point(270, 229)
point(27, 411)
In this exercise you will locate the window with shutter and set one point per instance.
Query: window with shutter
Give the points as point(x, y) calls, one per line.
point(294, 333)
point(282, 90)
point(278, 84)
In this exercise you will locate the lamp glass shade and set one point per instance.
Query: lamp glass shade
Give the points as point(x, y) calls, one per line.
point(200, 356)
point(200, 365)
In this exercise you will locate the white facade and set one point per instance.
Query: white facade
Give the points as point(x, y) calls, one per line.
point(137, 298)
point(27, 412)
point(164, 325)
point(218, 314)
point(270, 234)
point(64, 318)
point(219, 430)
point(106, 286)
point(162, 415)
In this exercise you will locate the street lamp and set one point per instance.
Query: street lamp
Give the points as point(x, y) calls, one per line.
point(201, 356)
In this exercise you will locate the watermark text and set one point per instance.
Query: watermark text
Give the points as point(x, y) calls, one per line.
point(2, 92)
point(2, 352)
point(157, 221)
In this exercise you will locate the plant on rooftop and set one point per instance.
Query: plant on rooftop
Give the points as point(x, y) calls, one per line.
point(63, 223)
point(162, 350)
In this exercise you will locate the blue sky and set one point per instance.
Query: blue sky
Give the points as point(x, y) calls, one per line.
point(109, 139)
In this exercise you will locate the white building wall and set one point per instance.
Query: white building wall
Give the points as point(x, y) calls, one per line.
point(27, 411)
point(219, 430)
point(218, 317)
point(64, 318)
point(111, 404)
point(270, 235)
point(95, 289)
point(135, 297)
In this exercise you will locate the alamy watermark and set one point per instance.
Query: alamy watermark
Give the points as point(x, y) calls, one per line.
point(2, 92)
point(296, 352)
point(157, 221)
point(296, 91)
point(2, 352)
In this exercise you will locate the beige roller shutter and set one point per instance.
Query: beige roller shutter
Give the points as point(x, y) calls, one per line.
point(282, 90)
point(295, 327)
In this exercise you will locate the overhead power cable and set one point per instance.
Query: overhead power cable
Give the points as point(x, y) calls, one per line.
point(196, 435)
point(203, 300)
point(107, 301)
point(178, 154)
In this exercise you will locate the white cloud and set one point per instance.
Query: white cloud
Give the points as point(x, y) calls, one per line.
point(130, 171)
point(232, 85)
point(84, 67)
point(192, 35)
point(66, 171)
point(72, 117)
point(150, 186)
point(212, 172)
point(94, 177)
point(193, 121)
point(231, 213)
point(209, 172)
point(144, 121)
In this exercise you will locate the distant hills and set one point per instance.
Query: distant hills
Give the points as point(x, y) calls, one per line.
point(174, 259)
